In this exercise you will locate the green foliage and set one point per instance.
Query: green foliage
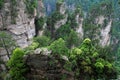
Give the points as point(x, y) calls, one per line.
point(7, 42)
point(56, 16)
point(78, 10)
point(88, 64)
point(43, 41)
point(51, 20)
point(30, 6)
point(63, 31)
point(59, 3)
point(31, 48)
point(6, 39)
point(103, 8)
point(47, 33)
point(106, 53)
point(72, 21)
point(39, 23)
point(116, 30)
point(90, 30)
point(1, 3)
point(68, 34)
point(17, 65)
point(72, 39)
point(117, 59)
point(58, 47)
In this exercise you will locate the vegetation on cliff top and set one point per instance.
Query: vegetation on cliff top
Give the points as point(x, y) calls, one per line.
point(86, 59)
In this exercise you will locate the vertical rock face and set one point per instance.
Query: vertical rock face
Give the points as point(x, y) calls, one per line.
point(104, 31)
point(105, 36)
point(79, 30)
point(62, 10)
point(15, 20)
point(40, 9)
point(20, 25)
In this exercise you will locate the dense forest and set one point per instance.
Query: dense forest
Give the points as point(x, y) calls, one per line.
point(60, 40)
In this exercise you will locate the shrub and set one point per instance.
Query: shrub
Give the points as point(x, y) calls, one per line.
point(31, 5)
point(42, 40)
point(72, 39)
point(88, 64)
point(63, 31)
point(58, 47)
point(17, 65)
point(39, 23)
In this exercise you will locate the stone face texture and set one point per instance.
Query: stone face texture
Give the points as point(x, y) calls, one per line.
point(20, 26)
point(42, 65)
point(62, 10)
point(40, 9)
point(79, 30)
point(24, 29)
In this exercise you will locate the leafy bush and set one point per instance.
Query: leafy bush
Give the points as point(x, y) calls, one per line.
point(56, 16)
point(17, 65)
point(63, 31)
point(42, 40)
point(7, 42)
point(72, 21)
point(31, 5)
point(72, 39)
point(31, 48)
point(39, 23)
point(58, 47)
point(88, 64)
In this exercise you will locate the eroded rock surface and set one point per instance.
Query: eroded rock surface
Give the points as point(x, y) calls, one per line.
point(42, 65)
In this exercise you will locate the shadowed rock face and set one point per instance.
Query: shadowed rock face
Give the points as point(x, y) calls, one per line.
point(44, 66)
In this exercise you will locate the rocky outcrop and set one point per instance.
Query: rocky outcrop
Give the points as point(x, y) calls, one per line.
point(100, 20)
point(42, 65)
point(104, 30)
point(79, 30)
point(61, 22)
point(105, 36)
point(40, 9)
point(16, 21)
point(62, 10)
point(21, 26)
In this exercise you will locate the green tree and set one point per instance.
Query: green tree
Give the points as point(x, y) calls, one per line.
point(39, 23)
point(63, 31)
point(72, 39)
point(7, 42)
point(42, 40)
point(72, 21)
point(88, 64)
point(51, 20)
point(31, 5)
point(58, 47)
point(17, 65)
